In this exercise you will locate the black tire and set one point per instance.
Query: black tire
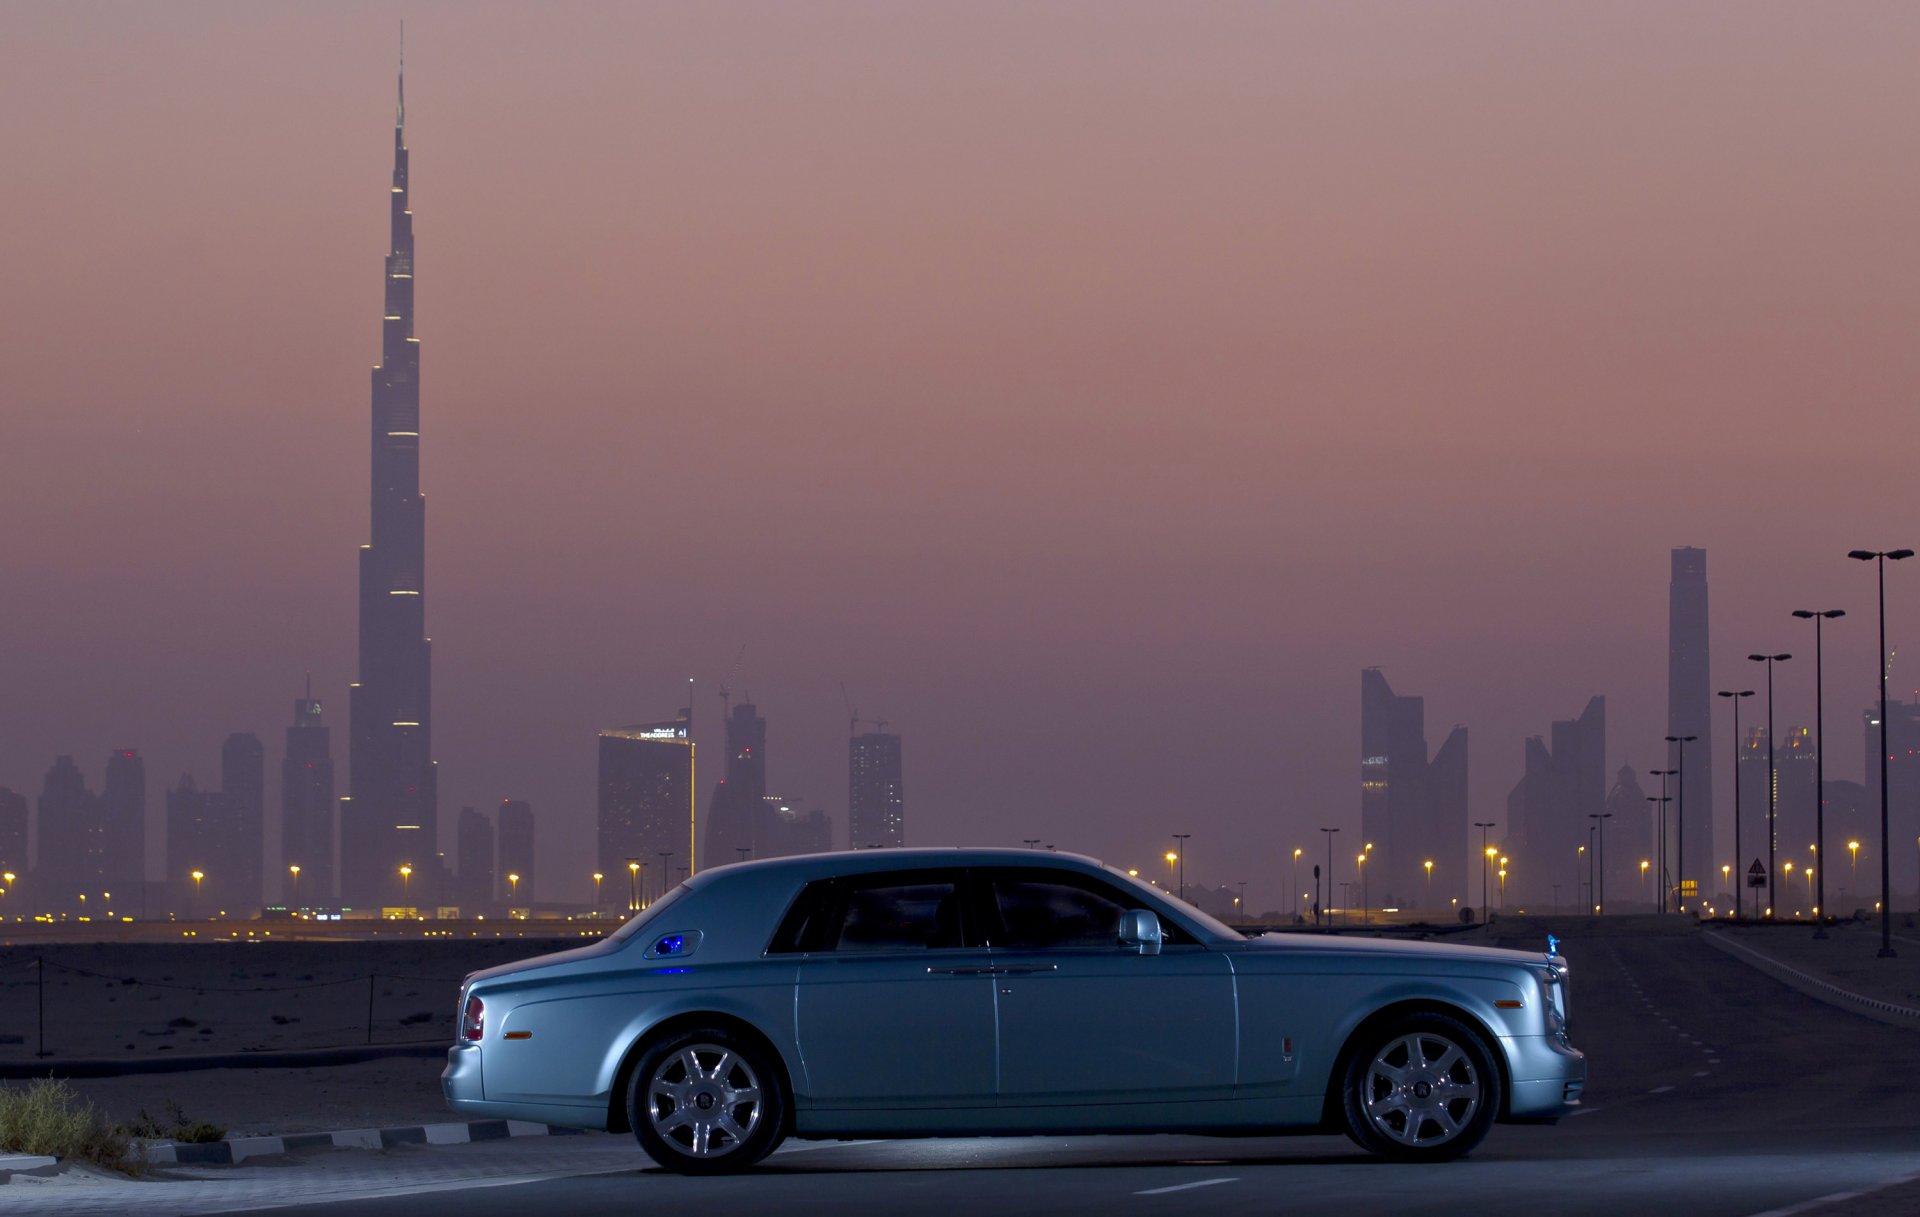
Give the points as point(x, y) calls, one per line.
point(1419, 1088)
point(707, 1101)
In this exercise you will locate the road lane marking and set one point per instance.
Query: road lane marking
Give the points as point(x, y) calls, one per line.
point(1584, 1111)
point(1182, 1187)
point(1703, 1073)
point(804, 1146)
point(1820, 1202)
point(1660, 1090)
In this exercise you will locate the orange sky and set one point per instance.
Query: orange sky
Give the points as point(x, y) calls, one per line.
point(1094, 388)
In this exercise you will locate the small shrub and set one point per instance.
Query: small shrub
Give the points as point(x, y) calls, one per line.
point(49, 1118)
point(174, 1126)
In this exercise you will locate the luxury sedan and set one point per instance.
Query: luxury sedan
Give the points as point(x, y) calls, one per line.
point(918, 993)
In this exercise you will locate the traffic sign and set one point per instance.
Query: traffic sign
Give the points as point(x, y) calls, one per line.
point(1689, 887)
point(1756, 874)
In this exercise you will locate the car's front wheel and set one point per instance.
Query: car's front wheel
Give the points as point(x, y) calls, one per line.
point(706, 1101)
point(1420, 1088)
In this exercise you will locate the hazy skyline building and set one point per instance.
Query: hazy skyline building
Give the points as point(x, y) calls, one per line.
point(737, 812)
point(1903, 784)
point(1412, 809)
point(1548, 810)
point(647, 796)
point(123, 823)
point(1690, 712)
point(198, 839)
point(876, 817)
point(789, 828)
point(243, 793)
point(306, 804)
point(1629, 842)
point(474, 886)
point(514, 832)
point(70, 844)
point(390, 817)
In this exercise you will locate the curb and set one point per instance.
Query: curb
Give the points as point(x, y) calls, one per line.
point(236, 1150)
point(304, 1058)
point(1821, 990)
point(26, 1164)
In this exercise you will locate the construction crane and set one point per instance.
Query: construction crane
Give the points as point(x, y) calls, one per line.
point(853, 716)
point(726, 686)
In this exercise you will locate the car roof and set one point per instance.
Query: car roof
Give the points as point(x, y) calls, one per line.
point(866, 861)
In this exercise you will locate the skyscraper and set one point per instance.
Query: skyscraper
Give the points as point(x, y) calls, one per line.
point(123, 822)
point(1629, 843)
point(474, 848)
point(737, 812)
point(1548, 810)
point(391, 817)
point(71, 841)
point(515, 830)
point(875, 817)
point(1903, 786)
point(1412, 810)
point(243, 792)
point(1690, 712)
point(196, 841)
point(306, 804)
point(646, 797)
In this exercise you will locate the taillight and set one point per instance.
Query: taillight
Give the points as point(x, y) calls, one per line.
point(473, 1019)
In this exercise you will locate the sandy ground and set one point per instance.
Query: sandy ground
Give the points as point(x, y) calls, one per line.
point(1847, 957)
point(138, 1000)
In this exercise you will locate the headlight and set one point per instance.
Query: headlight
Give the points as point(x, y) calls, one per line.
point(1553, 996)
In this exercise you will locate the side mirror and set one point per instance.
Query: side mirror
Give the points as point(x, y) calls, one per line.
point(1140, 931)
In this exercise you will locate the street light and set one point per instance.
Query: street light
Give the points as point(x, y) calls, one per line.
point(1644, 864)
point(1600, 860)
point(1429, 865)
point(1361, 869)
point(1736, 696)
point(1660, 802)
point(197, 877)
point(513, 886)
point(1296, 868)
point(406, 880)
point(1666, 872)
point(1483, 826)
point(1773, 779)
point(1316, 878)
point(1881, 557)
point(633, 885)
point(295, 872)
point(664, 872)
point(1182, 860)
point(1680, 743)
point(1819, 618)
point(597, 877)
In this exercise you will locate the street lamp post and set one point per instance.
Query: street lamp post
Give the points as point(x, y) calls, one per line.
point(1739, 900)
point(1680, 743)
point(1819, 618)
point(1316, 885)
point(1485, 853)
point(1660, 802)
point(1296, 872)
point(406, 881)
point(1181, 862)
point(633, 885)
point(294, 901)
point(1772, 779)
point(597, 877)
point(197, 877)
point(1644, 864)
point(1666, 873)
point(1600, 863)
point(664, 872)
point(1881, 557)
point(1360, 869)
point(1429, 865)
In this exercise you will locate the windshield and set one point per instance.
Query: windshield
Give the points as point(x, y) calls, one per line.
point(647, 914)
point(1205, 922)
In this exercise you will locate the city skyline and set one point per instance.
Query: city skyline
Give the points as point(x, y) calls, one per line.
point(844, 537)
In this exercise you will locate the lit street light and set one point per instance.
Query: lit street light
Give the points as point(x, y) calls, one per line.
point(633, 885)
point(1429, 865)
point(1881, 557)
point(406, 880)
point(597, 877)
point(1181, 860)
point(294, 901)
point(1483, 826)
point(1773, 778)
point(1317, 903)
point(1666, 872)
point(1600, 859)
point(1680, 743)
point(197, 877)
point(513, 886)
point(1819, 618)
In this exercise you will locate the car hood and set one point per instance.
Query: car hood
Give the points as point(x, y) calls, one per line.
point(1388, 948)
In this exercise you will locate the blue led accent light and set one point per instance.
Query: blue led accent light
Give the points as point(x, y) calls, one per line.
point(672, 944)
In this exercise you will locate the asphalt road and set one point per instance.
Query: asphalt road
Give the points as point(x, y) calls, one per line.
point(1714, 1091)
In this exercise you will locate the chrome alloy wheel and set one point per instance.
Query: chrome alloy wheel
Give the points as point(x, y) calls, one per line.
point(1421, 1090)
point(704, 1100)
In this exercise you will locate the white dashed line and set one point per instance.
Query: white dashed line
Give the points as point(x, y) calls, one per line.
point(1703, 1073)
point(1660, 1090)
point(1181, 1187)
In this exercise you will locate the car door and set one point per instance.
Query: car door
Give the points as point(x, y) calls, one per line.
point(894, 998)
point(1083, 1020)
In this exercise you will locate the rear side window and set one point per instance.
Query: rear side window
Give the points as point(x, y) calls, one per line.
point(897, 911)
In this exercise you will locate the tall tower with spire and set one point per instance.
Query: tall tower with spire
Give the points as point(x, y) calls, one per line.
point(389, 819)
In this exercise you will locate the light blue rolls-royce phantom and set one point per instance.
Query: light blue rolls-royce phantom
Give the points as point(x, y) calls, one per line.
point(967, 992)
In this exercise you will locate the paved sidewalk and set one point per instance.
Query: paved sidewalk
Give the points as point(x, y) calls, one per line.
point(305, 1177)
point(1846, 960)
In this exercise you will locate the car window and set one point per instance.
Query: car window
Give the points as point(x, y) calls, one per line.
point(899, 917)
point(1040, 910)
point(1037, 913)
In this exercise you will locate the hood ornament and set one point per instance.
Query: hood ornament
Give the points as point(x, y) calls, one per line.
point(1553, 946)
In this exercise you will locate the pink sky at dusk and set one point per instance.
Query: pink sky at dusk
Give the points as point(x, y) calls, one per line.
point(1093, 388)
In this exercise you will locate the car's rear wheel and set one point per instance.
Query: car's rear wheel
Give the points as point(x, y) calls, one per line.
point(706, 1101)
point(1420, 1088)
